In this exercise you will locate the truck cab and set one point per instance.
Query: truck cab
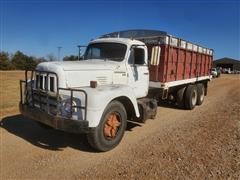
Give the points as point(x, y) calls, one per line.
point(95, 95)
point(129, 60)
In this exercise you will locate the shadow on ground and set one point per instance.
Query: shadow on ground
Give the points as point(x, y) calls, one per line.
point(47, 138)
point(168, 104)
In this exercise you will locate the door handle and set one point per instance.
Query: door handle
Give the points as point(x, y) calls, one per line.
point(146, 73)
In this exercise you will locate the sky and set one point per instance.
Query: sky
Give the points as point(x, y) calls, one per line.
point(38, 27)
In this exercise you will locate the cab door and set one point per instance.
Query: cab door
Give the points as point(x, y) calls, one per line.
point(138, 74)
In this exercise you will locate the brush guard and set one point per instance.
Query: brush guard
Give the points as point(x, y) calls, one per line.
point(34, 108)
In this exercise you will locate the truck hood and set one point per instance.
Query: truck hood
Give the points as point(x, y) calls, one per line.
point(94, 64)
point(77, 73)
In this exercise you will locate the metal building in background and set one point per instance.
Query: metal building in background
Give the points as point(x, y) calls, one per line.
point(226, 63)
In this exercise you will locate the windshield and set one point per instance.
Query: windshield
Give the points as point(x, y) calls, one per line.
point(106, 51)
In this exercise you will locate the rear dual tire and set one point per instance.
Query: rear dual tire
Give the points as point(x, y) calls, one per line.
point(180, 98)
point(201, 93)
point(190, 96)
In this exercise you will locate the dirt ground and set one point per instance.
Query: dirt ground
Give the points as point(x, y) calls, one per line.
point(200, 144)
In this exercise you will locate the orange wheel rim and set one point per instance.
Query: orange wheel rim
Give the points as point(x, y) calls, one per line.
point(112, 124)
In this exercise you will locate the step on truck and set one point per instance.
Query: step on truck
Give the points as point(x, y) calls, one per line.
point(122, 76)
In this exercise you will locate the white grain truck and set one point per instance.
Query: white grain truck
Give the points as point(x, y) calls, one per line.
point(121, 77)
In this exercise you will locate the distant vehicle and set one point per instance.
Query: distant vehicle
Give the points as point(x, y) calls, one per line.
point(218, 72)
point(227, 71)
point(236, 72)
point(214, 72)
point(121, 77)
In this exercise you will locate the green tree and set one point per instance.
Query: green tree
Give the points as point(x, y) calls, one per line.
point(23, 62)
point(30, 63)
point(19, 60)
point(5, 63)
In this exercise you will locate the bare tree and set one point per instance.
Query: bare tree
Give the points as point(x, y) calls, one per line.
point(70, 58)
point(51, 57)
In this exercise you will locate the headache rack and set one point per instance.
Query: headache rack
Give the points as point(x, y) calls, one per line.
point(45, 86)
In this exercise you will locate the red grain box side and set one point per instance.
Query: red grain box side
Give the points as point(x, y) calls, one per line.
point(178, 63)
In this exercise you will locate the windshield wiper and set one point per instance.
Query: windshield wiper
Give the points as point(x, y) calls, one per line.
point(112, 59)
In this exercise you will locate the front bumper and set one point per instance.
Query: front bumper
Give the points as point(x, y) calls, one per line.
point(64, 124)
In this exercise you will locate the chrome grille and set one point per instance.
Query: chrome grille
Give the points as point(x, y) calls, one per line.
point(48, 98)
point(44, 93)
point(45, 82)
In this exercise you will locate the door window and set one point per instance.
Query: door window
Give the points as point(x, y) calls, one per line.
point(137, 56)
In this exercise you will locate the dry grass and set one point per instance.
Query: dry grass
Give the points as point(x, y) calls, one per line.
point(9, 91)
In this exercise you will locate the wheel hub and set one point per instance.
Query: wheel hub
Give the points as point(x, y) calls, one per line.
point(112, 125)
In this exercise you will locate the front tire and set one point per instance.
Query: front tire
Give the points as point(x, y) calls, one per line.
point(111, 128)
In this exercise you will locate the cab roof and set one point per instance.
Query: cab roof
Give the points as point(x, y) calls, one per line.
point(135, 33)
point(126, 41)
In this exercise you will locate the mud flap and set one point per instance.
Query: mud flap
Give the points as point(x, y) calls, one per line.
point(147, 109)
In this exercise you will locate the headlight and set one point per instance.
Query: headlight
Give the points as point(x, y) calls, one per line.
point(66, 107)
